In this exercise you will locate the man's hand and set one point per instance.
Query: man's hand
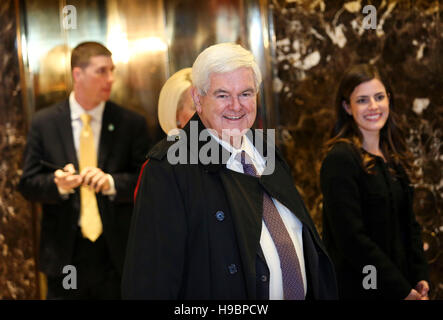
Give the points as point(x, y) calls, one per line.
point(66, 179)
point(95, 179)
point(413, 295)
point(422, 288)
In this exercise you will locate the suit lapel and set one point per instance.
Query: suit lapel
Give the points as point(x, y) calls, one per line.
point(106, 135)
point(245, 197)
point(65, 129)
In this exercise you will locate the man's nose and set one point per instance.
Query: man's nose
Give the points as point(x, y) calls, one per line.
point(235, 105)
point(111, 76)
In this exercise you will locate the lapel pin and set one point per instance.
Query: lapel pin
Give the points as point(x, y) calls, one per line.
point(111, 127)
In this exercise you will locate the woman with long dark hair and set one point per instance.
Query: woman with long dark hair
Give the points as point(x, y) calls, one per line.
point(369, 227)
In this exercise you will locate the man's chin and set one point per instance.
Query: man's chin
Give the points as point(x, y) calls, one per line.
point(232, 133)
point(106, 96)
point(234, 136)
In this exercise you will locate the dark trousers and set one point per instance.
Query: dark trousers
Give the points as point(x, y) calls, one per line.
point(96, 278)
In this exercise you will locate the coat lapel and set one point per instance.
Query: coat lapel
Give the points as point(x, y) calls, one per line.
point(65, 129)
point(311, 264)
point(106, 135)
point(245, 197)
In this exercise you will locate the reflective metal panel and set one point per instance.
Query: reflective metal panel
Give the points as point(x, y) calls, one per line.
point(150, 40)
point(192, 26)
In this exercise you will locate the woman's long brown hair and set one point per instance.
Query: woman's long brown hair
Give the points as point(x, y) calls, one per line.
point(392, 142)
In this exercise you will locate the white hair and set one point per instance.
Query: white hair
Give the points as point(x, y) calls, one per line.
point(221, 58)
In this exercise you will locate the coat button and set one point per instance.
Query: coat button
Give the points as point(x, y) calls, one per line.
point(232, 268)
point(220, 215)
point(263, 278)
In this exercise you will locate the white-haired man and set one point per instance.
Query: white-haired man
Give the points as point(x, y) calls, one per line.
point(224, 229)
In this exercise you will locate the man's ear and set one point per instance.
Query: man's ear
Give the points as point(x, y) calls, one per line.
point(76, 73)
point(346, 107)
point(196, 98)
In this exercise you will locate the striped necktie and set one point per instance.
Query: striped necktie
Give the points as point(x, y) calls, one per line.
point(293, 288)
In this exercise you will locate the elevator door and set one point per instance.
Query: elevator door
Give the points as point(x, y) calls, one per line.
point(150, 40)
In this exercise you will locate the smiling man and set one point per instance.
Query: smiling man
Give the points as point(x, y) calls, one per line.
point(223, 230)
point(229, 107)
point(98, 147)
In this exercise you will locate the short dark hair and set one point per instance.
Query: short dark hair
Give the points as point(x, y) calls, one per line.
point(84, 51)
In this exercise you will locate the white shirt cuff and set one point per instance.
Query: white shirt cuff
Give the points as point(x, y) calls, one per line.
point(111, 191)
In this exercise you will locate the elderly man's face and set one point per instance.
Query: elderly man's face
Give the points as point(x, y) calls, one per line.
point(230, 106)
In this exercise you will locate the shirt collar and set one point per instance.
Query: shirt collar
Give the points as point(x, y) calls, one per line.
point(246, 146)
point(96, 113)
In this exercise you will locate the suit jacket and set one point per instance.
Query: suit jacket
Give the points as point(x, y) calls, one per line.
point(360, 226)
point(195, 232)
point(122, 149)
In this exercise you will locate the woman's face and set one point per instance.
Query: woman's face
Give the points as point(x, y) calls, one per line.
point(369, 106)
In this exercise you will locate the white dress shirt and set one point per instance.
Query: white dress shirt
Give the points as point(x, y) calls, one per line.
point(291, 222)
point(77, 124)
point(96, 114)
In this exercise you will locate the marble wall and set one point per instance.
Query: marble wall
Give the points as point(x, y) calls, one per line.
point(315, 42)
point(17, 263)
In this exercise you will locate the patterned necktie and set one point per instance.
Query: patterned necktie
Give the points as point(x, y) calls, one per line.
point(90, 222)
point(293, 288)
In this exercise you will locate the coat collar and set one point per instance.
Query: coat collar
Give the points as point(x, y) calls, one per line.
point(193, 130)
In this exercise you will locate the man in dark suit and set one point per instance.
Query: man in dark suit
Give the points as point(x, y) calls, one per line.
point(87, 203)
point(216, 215)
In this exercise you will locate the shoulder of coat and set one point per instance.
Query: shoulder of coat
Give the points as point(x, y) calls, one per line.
point(160, 150)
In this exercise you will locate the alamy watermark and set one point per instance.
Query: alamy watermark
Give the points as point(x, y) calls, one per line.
point(68, 17)
point(209, 151)
point(70, 280)
point(370, 21)
point(370, 281)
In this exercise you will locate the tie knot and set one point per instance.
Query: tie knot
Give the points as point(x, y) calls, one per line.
point(248, 166)
point(86, 118)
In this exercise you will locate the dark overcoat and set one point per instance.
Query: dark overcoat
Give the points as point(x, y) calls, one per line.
point(196, 229)
point(361, 227)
